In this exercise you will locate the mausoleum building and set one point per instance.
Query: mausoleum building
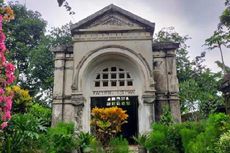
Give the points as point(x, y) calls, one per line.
point(113, 61)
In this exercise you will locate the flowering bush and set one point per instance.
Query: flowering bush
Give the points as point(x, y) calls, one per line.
point(21, 100)
point(6, 69)
point(107, 122)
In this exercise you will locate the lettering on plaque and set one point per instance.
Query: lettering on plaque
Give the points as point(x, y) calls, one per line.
point(113, 92)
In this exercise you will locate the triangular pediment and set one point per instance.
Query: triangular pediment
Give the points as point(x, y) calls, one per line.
point(112, 18)
point(113, 21)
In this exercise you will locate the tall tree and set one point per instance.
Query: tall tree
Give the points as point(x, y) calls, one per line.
point(26, 32)
point(221, 36)
point(41, 61)
point(218, 40)
point(30, 50)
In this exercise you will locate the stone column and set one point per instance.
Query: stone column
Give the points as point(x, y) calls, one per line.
point(164, 65)
point(148, 103)
point(62, 107)
point(58, 89)
point(173, 85)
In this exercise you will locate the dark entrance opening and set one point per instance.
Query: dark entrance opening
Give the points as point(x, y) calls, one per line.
point(128, 103)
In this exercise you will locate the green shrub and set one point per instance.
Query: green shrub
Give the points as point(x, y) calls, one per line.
point(95, 147)
point(85, 141)
point(189, 132)
point(157, 139)
point(223, 145)
point(166, 118)
point(141, 140)
point(59, 139)
point(42, 113)
point(118, 145)
point(205, 142)
point(22, 134)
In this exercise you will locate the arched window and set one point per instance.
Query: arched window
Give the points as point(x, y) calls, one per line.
point(113, 77)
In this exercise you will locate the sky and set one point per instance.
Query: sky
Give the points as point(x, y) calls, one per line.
point(195, 18)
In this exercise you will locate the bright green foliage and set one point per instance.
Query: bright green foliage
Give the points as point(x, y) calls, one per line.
point(42, 113)
point(223, 145)
point(22, 134)
point(96, 147)
point(157, 139)
point(24, 131)
point(59, 139)
point(85, 142)
point(27, 134)
point(141, 140)
point(205, 142)
point(166, 118)
point(118, 145)
point(189, 132)
point(200, 93)
point(189, 137)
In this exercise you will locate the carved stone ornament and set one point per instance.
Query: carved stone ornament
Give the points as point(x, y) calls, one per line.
point(112, 20)
point(77, 100)
point(148, 98)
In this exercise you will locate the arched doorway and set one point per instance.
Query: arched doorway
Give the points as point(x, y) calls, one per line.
point(116, 79)
point(115, 72)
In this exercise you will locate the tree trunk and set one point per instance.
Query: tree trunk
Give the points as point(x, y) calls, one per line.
point(222, 58)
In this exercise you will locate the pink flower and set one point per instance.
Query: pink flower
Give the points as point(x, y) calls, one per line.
point(1, 99)
point(8, 101)
point(1, 18)
point(4, 117)
point(2, 59)
point(7, 115)
point(3, 125)
point(2, 91)
point(2, 47)
point(2, 37)
point(10, 78)
point(10, 67)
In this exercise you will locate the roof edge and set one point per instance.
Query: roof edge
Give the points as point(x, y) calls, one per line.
point(165, 46)
point(112, 7)
point(62, 49)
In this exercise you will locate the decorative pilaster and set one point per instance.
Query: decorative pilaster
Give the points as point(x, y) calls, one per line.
point(59, 91)
point(167, 89)
point(78, 103)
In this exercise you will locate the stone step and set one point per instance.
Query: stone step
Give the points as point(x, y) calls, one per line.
point(133, 148)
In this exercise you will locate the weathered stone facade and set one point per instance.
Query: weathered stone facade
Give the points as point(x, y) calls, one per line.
point(112, 55)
